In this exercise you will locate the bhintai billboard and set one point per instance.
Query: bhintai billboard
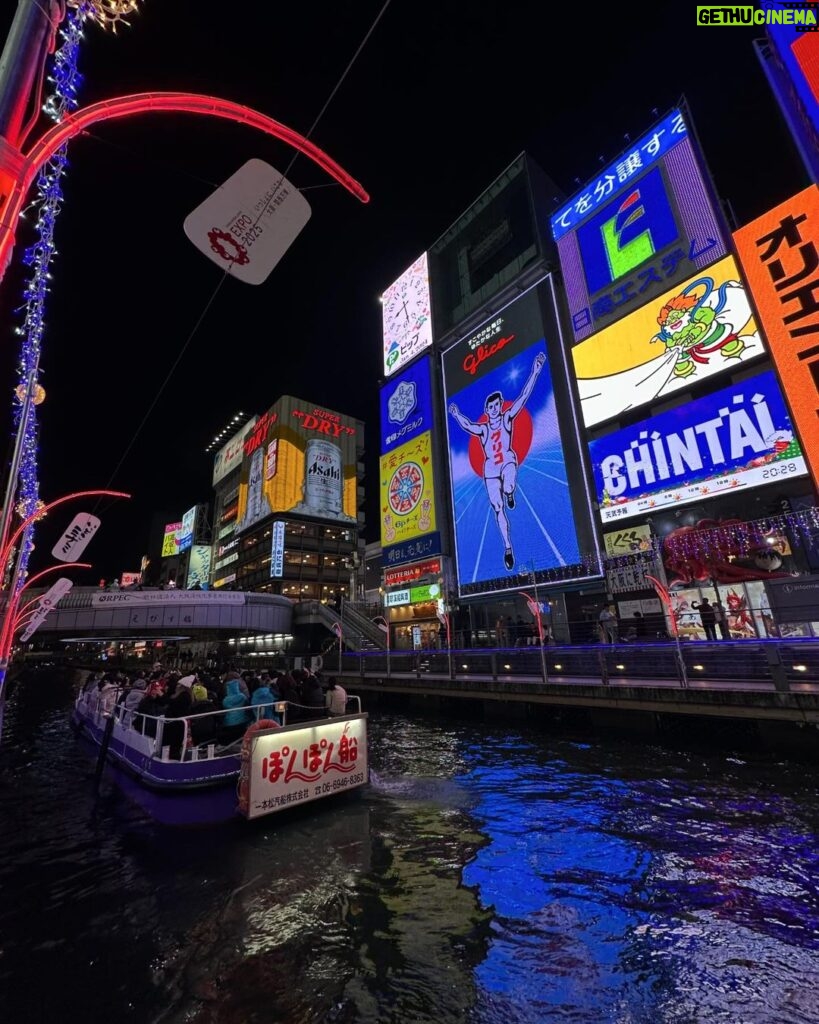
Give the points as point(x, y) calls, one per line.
point(738, 438)
point(518, 496)
point(646, 222)
point(299, 458)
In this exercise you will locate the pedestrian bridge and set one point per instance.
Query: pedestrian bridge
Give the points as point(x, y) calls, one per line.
point(146, 614)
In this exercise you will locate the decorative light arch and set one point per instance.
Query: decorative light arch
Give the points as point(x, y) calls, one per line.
point(145, 103)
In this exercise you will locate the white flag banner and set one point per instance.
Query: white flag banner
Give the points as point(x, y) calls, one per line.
point(250, 222)
point(47, 602)
point(76, 538)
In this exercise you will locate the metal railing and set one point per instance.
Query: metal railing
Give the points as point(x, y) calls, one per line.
point(99, 707)
point(686, 663)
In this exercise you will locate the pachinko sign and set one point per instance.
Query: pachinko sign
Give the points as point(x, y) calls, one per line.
point(297, 764)
point(734, 439)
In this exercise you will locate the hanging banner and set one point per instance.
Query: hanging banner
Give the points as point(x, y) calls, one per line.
point(76, 538)
point(250, 222)
point(48, 601)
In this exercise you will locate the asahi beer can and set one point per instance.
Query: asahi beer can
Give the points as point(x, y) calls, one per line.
point(323, 479)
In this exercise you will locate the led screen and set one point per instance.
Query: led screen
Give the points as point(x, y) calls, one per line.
point(229, 456)
point(405, 311)
point(185, 535)
point(645, 223)
point(796, 85)
point(199, 566)
point(406, 406)
point(513, 507)
point(739, 437)
point(702, 327)
point(299, 458)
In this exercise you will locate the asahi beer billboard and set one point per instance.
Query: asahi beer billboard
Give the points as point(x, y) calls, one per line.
point(229, 456)
point(299, 458)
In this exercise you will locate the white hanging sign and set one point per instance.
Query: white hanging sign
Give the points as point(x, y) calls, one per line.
point(250, 222)
point(76, 538)
point(48, 601)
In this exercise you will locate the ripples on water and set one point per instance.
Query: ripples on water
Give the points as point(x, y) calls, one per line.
point(487, 875)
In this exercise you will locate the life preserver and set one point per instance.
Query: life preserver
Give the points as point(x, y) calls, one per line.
point(244, 771)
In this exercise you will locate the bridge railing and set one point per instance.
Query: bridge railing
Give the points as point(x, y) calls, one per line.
point(695, 663)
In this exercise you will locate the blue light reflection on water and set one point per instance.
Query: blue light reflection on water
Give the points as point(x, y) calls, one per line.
point(490, 874)
point(692, 896)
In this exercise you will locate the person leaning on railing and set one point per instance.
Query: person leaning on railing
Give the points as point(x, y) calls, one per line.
point(336, 697)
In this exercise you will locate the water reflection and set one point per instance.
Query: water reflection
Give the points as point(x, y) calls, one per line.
point(487, 875)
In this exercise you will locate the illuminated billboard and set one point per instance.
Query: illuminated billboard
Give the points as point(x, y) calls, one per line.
point(517, 500)
point(229, 456)
point(407, 491)
point(645, 223)
point(186, 530)
point(794, 76)
point(701, 327)
point(406, 406)
point(199, 566)
point(780, 258)
point(738, 438)
point(299, 458)
point(170, 540)
point(405, 312)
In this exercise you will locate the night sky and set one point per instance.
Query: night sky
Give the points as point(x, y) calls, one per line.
point(442, 97)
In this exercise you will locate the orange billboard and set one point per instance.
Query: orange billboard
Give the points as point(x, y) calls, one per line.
point(779, 253)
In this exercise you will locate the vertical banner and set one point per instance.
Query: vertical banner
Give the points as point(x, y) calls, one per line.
point(778, 252)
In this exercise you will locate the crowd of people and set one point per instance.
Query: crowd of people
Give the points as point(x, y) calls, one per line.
point(219, 707)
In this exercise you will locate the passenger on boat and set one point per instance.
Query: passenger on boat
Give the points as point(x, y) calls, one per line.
point(264, 695)
point(230, 675)
point(133, 698)
point(237, 718)
point(153, 705)
point(312, 697)
point(178, 707)
point(336, 697)
point(90, 683)
point(107, 692)
point(204, 725)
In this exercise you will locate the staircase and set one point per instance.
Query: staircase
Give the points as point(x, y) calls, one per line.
point(358, 632)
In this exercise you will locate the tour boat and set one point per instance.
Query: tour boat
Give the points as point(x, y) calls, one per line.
point(271, 766)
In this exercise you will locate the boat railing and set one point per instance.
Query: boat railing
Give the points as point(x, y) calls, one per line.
point(100, 706)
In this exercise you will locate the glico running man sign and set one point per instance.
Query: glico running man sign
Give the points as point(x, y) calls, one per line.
point(512, 497)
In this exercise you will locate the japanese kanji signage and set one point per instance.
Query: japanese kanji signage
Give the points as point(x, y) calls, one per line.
point(406, 406)
point(76, 538)
point(407, 492)
point(645, 223)
point(779, 255)
point(298, 764)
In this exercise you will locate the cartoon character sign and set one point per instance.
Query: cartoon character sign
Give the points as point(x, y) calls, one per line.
point(705, 327)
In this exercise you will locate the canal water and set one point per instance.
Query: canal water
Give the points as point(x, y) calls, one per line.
point(489, 874)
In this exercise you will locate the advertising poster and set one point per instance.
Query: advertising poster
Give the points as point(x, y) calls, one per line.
point(512, 506)
point(779, 255)
point(795, 54)
point(199, 566)
point(406, 406)
point(229, 456)
point(645, 223)
point(300, 458)
point(407, 492)
point(170, 540)
point(701, 328)
point(737, 438)
point(186, 530)
point(406, 316)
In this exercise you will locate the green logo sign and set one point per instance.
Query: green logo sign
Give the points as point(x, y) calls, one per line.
point(796, 14)
point(430, 592)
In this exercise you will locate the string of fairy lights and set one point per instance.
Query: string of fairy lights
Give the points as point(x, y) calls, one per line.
point(65, 80)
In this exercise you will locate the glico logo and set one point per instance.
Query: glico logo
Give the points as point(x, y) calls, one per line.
point(627, 232)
